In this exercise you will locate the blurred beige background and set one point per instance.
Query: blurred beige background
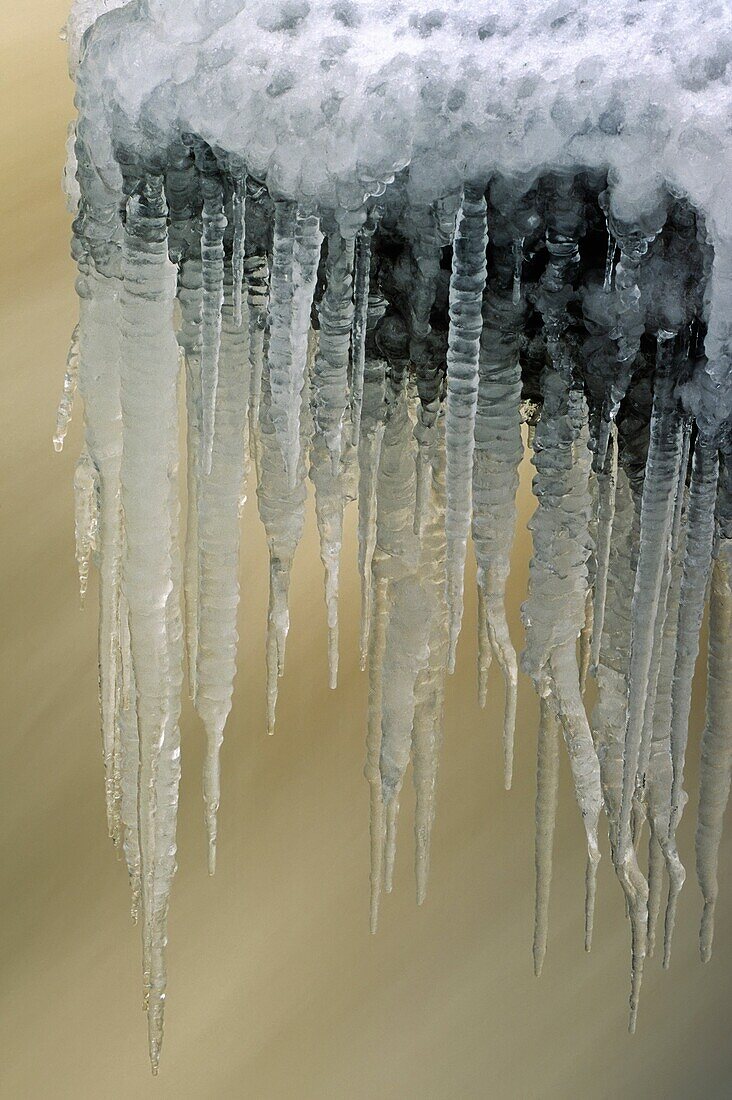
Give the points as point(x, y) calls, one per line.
point(276, 988)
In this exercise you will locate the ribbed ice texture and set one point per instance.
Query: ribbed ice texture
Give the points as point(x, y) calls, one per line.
point(397, 368)
point(463, 349)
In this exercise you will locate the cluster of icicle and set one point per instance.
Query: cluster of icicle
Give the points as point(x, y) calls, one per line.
point(391, 354)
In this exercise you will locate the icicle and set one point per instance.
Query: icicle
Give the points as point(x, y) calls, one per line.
point(282, 511)
point(547, 796)
point(716, 749)
point(86, 519)
point(429, 691)
point(239, 200)
point(369, 450)
point(212, 260)
point(285, 395)
point(148, 478)
point(330, 382)
point(498, 453)
point(306, 256)
point(554, 611)
point(65, 405)
point(697, 562)
point(466, 292)
point(377, 826)
point(256, 270)
point(362, 266)
point(607, 483)
point(426, 247)
point(99, 387)
point(130, 761)
point(612, 248)
point(218, 541)
point(657, 510)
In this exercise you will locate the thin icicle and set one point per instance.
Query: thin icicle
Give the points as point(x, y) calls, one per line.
point(369, 450)
point(256, 270)
point(547, 798)
point(306, 257)
point(498, 453)
point(518, 263)
point(282, 511)
point(377, 826)
point(426, 247)
point(284, 392)
point(429, 691)
point(212, 261)
point(65, 405)
point(612, 248)
point(716, 749)
point(218, 541)
point(466, 321)
point(86, 517)
point(657, 511)
point(697, 563)
point(148, 478)
point(330, 381)
point(362, 267)
point(607, 483)
point(130, 761)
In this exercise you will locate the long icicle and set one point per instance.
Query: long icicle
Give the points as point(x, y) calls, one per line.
point(66, 403)
point(369, 449)
point(657, 509)
point(498, 453)
point(212, 261)
point(148, 477)
point(330, 379)
point(361, 274)
point(219, 504)
point(697, 563)
point(466, 321)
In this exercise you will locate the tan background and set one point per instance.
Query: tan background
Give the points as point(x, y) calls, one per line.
point(276, 988)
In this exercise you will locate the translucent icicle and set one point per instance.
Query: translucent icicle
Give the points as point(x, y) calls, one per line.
point(256, 270)
point(498, 453)
point(716, 749)
point(657, 510)
point(607, 482)
point(306, 257)
point(377, 824)
point(518, 263)
point(65, 405)
point(362, 267)
point(369, 450)
point(99, 386)
point(212, 260)
point(466, 293)
point(429, 691)
point(697, 563)
point(330, 383)
point(329, 503)
point(285, 394)
point(86, 517)
point(426, 247)
point(130, 761)
point(148, 478)
point(221, 492)
point(282, 511)
point(547, 798)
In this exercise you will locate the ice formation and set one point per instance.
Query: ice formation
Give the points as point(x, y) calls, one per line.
point(374, 239)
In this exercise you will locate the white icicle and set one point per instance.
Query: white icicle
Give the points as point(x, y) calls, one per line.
point(256, 270)
point(212, 266)
point(607, 483)
point(86, 517)
point(65, 405)
point(306, 257)
point(362, 266)
point(697, 563)
point(716, 750)
point(369, 450)
point(148, 477)
point(498, 453)
point(429, 690)
point(218, 541)
point(284, 392)
point(466, 292)
point(282, 511)
point(130, 760)
point(657, 511)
